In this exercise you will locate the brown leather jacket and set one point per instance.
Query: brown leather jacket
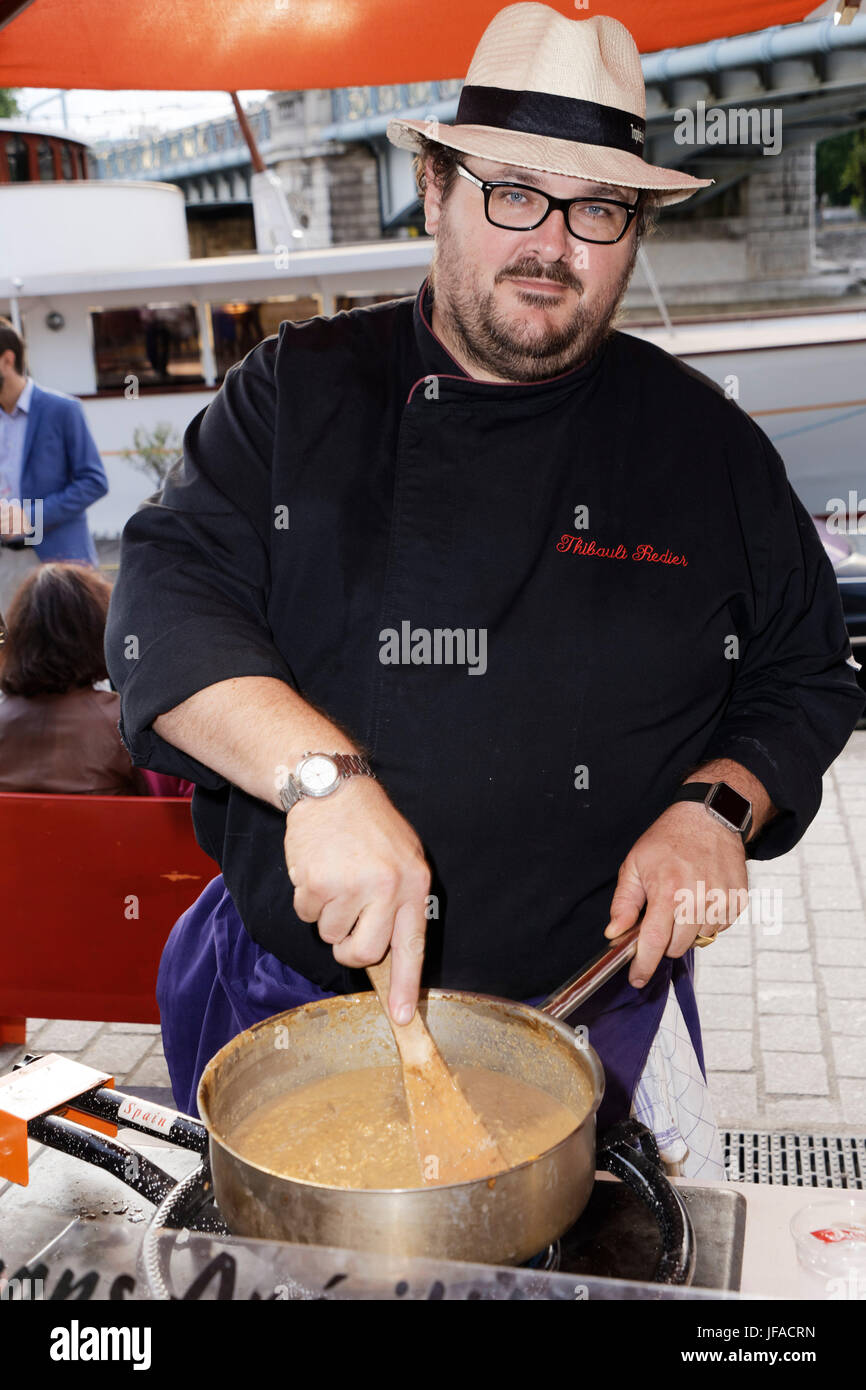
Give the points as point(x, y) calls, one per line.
point(65, 743)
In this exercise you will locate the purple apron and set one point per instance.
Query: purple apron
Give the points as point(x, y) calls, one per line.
point(214, 981)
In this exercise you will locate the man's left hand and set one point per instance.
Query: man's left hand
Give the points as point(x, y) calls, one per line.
point(14, 524)
point(674, 869)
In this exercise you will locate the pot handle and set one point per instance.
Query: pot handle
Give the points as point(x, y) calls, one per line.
point(628, 1151)
point(578, 989)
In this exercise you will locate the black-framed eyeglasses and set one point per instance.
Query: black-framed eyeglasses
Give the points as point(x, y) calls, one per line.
point(519, 207)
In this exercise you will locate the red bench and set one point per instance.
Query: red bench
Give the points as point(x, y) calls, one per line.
point(90, 887)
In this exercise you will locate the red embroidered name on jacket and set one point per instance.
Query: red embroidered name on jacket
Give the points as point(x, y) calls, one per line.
point(578, 546)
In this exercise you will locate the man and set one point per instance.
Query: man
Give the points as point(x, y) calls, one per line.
point(50, 472)
point(538, 577)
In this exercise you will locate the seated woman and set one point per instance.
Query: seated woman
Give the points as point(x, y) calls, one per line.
point(58, 730)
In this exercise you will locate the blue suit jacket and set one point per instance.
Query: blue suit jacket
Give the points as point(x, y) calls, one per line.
point(61, 466)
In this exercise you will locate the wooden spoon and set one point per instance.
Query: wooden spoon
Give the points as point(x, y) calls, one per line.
point(453, 1143)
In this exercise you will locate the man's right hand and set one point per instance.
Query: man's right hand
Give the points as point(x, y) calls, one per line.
point(359, 871)
point(351, 856)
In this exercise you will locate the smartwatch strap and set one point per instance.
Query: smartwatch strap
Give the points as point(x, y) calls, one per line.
point(700, 791)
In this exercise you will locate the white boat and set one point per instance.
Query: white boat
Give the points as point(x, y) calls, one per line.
point(802, 376)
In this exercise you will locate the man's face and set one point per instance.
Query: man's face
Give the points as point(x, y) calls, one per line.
point(504, 329)
point(8, 375)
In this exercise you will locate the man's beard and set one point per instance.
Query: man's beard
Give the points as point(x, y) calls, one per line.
point(492, 340)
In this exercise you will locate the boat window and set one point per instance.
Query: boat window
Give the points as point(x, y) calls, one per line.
point(151, 345)
point(358, 301)
point(19, 164)
point(45, 160)
point(239, 324)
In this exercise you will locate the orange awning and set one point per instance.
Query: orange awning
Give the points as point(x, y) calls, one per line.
point(236, 45)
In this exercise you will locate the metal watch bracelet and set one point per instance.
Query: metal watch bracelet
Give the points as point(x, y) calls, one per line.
point(347, 765)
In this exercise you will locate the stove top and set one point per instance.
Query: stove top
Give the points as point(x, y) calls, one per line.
point(81, 1231)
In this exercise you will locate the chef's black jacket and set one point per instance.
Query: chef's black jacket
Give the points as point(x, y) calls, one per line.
point(689, 613)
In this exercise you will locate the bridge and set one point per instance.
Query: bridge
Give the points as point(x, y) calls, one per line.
point(745, 111)
point(814, 73)
point(210, 160)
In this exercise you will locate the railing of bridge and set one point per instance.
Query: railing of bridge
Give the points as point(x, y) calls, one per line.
point(358, 103)
point(186, 149)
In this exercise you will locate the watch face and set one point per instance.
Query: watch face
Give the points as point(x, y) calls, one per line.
point(318, 775)
point(730, 805)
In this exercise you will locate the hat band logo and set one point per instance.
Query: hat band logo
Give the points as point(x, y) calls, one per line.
point(560, 118)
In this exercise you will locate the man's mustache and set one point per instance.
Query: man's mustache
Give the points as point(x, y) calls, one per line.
point(569, 284)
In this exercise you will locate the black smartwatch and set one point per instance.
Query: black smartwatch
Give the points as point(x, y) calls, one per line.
point(722, 802)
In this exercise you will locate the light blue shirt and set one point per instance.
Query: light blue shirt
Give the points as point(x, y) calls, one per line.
point(13, 427)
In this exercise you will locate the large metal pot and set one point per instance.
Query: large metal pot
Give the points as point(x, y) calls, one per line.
point(499, 1220)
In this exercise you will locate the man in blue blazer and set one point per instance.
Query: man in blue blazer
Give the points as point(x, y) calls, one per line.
point(49, 466)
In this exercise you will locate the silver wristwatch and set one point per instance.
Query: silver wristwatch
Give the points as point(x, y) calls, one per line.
point(320, 774)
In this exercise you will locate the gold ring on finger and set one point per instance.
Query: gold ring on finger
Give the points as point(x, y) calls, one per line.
point(701, 940)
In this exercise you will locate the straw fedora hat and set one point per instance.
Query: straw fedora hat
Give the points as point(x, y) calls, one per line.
point(565, 96)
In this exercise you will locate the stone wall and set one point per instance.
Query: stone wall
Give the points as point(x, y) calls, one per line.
point(354, 196)
point(780, 214)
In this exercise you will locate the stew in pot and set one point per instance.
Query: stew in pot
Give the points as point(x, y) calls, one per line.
point(352, 1129)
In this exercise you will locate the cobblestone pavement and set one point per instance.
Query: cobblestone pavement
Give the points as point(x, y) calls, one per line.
point(783, 1003)
point(131, 1052)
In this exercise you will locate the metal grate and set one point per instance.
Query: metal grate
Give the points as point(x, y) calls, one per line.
point(795, 1160)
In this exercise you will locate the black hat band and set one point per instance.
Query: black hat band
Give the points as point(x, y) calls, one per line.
point(561, 118)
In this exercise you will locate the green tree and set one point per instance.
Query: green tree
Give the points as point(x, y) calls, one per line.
point(155, 453)
point(854, 173)
point(8, 104)
point(840, 169)
point(830, 159)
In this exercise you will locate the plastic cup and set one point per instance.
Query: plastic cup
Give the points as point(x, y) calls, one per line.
point(831, 1248)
